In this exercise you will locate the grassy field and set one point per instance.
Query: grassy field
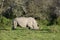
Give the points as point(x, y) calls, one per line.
point(45, 32)
point(25, 34)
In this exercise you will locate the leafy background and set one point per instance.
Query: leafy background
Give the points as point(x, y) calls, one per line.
point(46, 12)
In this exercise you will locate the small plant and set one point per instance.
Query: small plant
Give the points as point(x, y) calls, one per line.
point(54, 29)
point(58, 21)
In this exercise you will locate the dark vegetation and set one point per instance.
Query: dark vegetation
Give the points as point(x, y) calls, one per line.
point(47, 12)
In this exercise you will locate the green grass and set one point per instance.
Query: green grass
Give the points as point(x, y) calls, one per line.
point(45, 33)
point(26, 34)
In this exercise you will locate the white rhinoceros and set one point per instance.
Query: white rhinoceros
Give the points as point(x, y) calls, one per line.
point(25, 22)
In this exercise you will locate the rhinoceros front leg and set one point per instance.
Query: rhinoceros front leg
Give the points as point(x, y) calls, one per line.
point(14, 25)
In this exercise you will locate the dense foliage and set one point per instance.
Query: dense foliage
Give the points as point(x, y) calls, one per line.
point(47, 11)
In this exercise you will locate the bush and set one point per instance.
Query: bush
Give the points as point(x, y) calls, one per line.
point(58, 20)
point(4, 22)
